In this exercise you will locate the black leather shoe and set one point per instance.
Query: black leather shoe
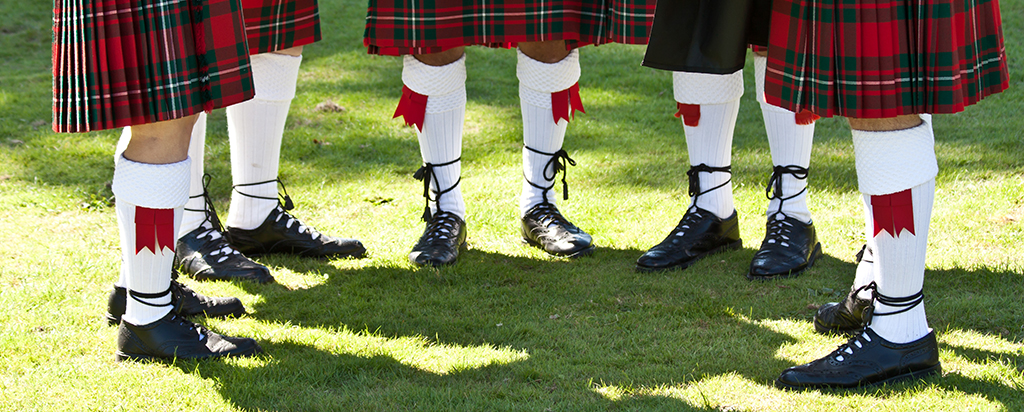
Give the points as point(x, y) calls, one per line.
point(866, 359)
point(844, 317)
point(698, 234)
point(283, 233)
point(545, 227)
point(441, 240)
point(205, 254)
point(851, 314)
point(185, 301)
point(789, 247)
point(175, 337)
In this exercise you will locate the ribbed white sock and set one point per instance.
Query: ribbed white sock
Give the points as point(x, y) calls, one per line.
point(710, 142)
point(255, 132)
point(889, 164)
point(441, 137)
point(144, 190)
point(191, 219)
point(790, 144)
point(537, 81)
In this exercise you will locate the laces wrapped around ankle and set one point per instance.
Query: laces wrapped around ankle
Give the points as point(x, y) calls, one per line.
point(774, 189)
point(426, 174)
point(212, 226)
point(903, 304)
point(557, 163)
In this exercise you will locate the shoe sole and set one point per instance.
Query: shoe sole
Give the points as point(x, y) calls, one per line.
point(918, 375)
point(462, 247)
point(122, 356)
point(793, 273)
point(587, 251)
point(683, 265)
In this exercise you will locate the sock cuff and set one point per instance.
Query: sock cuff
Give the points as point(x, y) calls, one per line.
point(275, 75)
point(434, 81)
point(704, 88)
point(760, 70)
point(155, 186)
point(547, 78)
point(892, 161)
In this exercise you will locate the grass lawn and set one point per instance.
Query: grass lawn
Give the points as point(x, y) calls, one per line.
point(507, 328)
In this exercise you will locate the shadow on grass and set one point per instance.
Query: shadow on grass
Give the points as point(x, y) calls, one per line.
point(583, 324)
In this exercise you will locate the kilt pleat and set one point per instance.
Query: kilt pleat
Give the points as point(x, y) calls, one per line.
point(272, 25)
point(397, 27)
point(884, 58)
point(119, 63)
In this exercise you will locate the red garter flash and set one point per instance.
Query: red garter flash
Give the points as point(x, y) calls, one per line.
point(154, 229)
point(690, 113)
point(412, 106)
point(805, 117)
point(892, 213)
point(566, 103)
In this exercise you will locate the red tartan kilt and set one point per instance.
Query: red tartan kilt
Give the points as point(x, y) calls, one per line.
point(119, 63)
point(884, 58)
point(273, 25)
point(395, 27)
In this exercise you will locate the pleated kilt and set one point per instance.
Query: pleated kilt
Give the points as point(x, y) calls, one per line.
point(883, 58)
point(397, 27)
point(119, 63)
point(273, 25)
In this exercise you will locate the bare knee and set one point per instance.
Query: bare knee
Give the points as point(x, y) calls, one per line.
point(545, 51)
point(161, 142)
point(443, 58)
point(885, 124)
point(291, 51)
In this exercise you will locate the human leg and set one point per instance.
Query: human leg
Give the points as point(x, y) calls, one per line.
point(708, 106)
point(548, 95)
point(434, 101)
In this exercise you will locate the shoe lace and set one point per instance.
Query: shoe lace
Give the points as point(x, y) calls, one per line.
point(212, 226)
point(179, 291)
point(779, 229)
point(692, 216)
point(774, 188)
point(852, 345)
point(902, 304)
point(284, 204)
point(442, 227)
point(426, 173)
point(548, 215)
point(557, 163)
point(292, 220)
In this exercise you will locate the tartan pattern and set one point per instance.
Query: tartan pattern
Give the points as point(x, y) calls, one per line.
point(272, 25)
point(884, 58)
point(119, 63)
point(397, 27)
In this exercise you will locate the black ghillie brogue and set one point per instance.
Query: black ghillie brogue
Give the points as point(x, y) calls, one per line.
point(543, 226)
point(185, 302)
point(441, 241)
point(790, 246)
point(282, 233)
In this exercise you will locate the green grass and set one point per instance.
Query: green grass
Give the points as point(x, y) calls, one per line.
point(507, 328)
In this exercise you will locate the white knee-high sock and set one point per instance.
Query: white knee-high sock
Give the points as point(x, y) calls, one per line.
point(255, 132)
point(709, 131)
point(790, 143)
point(441, 136)
point(149, 202)
point(897, 170)
point(537, 81)
point(195, 208)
